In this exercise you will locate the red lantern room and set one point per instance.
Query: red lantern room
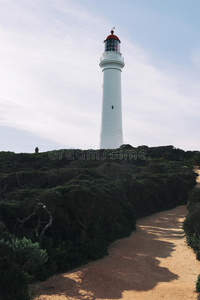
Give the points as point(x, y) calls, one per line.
point(112, 43)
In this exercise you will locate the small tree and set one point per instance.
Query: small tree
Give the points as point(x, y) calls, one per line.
point(19, 258)
point(26, 254)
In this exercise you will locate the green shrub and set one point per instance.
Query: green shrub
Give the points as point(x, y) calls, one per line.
point(193, 198)
point(193, 242)
point(198, 253)
point(94, 199)
point(14, 283)
point(191, 224)
point(191, 227)
point(4, 233)
point(8, 213)
point(19, 259)
point(13, 280)
point(198, 284)
point(27, 255)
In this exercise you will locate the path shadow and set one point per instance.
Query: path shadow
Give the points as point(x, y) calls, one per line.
point(133, 263)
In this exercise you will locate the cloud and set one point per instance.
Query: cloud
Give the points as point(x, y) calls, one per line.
point(161, 106)
point(50, 81)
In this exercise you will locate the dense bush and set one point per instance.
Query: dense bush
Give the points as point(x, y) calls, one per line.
point(198, 284)
point(14, 283)
point(94, 197)
point(194, 198)
point(26, 254)
point(191, 226)
point(19, 259)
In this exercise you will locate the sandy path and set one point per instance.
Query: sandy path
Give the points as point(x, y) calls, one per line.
point(154, 263)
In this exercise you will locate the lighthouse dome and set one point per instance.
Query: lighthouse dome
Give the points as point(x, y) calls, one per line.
point(112, 36)
point(112, 42)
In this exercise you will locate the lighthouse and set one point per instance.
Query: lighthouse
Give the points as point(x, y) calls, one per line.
point(111, 63)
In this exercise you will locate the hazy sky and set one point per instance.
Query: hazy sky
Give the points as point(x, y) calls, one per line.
point(51, 82)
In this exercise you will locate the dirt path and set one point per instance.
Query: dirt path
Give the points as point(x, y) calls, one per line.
point(154, 263)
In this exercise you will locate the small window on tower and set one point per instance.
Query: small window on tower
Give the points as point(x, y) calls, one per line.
point(112, 106)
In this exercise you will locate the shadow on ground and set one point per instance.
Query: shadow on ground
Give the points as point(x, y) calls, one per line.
point(133, 263)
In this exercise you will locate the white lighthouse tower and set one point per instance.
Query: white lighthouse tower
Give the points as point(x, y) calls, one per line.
point(111, 63)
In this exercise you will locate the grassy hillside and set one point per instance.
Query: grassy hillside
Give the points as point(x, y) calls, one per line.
point(92, 198)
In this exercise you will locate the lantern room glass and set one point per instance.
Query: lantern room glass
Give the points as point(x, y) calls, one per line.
point(112, 45)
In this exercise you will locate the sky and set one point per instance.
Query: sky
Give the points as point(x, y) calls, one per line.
point(51, 82)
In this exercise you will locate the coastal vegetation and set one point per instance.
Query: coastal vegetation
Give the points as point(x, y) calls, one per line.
point(61, 209)
point(191, 226)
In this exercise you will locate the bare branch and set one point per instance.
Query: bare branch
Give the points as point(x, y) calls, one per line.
point(47, 226)
point(41, 234)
